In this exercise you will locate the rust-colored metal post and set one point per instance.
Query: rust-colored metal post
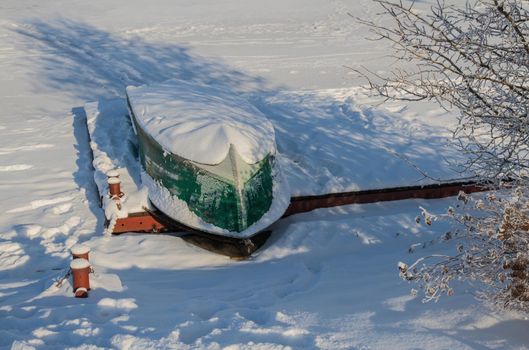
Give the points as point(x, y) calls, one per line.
point(80, 251)
point(80, 275)
point(114, 187)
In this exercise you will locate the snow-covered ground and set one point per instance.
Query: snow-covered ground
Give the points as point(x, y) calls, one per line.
point(325, 279)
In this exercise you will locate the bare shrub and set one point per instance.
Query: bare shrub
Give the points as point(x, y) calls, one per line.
point(473, 60)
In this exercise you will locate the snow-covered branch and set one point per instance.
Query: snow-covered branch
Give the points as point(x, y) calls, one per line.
point(474, 59)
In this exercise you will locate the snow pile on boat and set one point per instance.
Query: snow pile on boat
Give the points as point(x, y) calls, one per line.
point(199, 123)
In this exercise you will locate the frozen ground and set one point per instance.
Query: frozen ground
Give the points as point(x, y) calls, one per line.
point(325, 280)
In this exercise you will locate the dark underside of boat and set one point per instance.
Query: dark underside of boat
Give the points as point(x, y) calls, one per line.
point(235, 248)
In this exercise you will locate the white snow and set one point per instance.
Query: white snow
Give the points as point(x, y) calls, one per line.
point(112, 173)
point(325, 280)
point(199, 123)
point(77, 264)
point(126, 304)
point(113, 181)
point(79, 249)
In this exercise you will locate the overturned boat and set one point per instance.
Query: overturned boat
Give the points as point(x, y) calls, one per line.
point(208, 158)
point(208, 161)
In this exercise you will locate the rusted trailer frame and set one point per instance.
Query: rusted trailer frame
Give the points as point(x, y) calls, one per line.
point(147, 222)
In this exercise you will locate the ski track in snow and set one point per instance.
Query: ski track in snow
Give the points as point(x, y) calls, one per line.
point(325, 280)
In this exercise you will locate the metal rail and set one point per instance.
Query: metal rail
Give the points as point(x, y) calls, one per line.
point(304, 204)
point(156, 221)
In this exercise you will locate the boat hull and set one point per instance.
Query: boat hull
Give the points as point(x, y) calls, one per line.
point(217, 204)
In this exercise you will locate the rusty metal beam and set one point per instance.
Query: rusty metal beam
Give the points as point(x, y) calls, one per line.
point(145, 222)
point(304, 204)
point(138, 222)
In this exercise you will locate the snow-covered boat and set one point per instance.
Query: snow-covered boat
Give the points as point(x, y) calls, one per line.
point(201, 140)
point(208, 158)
